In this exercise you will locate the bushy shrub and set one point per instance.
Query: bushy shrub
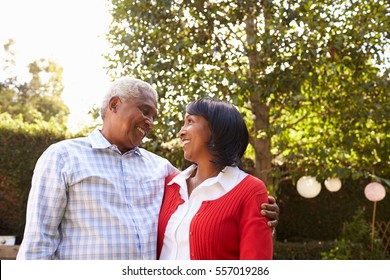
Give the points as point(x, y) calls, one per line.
point(355, 242)
point(21, 144)
point(300, 250)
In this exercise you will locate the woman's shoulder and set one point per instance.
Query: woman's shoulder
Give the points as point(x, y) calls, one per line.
point(252, 184)
point(171, 176)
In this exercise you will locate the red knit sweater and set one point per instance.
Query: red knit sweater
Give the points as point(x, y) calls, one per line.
point(230, 227)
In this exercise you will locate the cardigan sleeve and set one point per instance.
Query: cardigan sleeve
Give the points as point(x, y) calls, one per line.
point(170, 201)
point(255, 235)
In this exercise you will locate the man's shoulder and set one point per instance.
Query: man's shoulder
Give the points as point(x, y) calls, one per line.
point(150, 155)
point(64, 146)
point(153, 159)
point(72, 142)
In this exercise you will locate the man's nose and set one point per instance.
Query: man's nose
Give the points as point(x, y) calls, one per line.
point(150, 122)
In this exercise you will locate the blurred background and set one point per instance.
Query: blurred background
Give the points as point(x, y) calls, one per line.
point(311, 79)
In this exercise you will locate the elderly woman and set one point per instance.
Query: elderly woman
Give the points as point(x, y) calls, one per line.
point(211, 210)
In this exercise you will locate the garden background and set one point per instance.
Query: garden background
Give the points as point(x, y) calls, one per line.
point(310, 77)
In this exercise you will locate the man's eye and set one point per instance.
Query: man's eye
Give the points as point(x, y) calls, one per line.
point(145, 112)
point(148, 113)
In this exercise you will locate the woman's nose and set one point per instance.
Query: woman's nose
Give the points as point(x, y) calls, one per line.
point(181, 132)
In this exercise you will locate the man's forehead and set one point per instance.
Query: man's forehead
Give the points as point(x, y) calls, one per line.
point(148, 100)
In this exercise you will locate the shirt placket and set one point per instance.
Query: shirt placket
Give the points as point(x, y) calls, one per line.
point(128, 182)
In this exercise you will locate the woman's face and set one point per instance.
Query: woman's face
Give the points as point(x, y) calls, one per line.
point(195, 134)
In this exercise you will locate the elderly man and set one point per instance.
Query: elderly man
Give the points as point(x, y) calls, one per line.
point(98, 197)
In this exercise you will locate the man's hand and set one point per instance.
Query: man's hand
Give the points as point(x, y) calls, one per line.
point(271, 211)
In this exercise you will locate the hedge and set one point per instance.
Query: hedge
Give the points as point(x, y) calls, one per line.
point(21, 144)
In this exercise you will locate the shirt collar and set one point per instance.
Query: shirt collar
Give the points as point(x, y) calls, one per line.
point(183, 176)
point(98, 141)
point(227, 178)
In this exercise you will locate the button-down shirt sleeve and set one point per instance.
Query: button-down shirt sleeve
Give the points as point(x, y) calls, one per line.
point(46, 205)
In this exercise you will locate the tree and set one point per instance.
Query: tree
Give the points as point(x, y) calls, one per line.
point(38, 99)
point(309, 76)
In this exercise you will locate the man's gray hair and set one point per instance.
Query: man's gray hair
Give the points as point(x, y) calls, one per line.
point(126, 88)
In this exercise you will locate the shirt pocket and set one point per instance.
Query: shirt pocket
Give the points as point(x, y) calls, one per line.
point(95, 190)
point(145, 194)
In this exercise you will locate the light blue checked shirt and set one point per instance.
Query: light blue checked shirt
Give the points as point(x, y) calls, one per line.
point(88, 201)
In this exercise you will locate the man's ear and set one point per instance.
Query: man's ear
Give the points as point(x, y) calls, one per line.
point(114, 103)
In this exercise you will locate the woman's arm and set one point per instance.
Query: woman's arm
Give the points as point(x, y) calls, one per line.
point(255, 234)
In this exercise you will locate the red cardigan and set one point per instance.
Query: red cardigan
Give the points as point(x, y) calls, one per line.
point(230, 227)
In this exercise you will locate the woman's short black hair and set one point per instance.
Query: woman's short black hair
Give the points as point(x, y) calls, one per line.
point(229, 134)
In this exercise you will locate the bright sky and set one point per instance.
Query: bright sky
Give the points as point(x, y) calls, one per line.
point(70, 32)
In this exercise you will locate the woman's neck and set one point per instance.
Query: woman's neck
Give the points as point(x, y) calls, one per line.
point(200, 174)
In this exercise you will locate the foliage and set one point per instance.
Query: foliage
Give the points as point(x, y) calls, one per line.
point(21, 145)
point(300, 250)
point(355, 242)
point(36, 100)
point(309, 76)
point(95, 122)
point(32, 116)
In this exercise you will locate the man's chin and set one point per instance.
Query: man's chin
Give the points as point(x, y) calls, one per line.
point(137, 143)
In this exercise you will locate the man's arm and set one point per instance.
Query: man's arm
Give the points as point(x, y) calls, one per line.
point(271, 211)
point(45, 209)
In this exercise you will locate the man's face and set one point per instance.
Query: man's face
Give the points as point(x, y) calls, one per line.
point(132, 121)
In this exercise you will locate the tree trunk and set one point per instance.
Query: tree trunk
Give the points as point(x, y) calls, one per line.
point(260, 141)
point(262, 144)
